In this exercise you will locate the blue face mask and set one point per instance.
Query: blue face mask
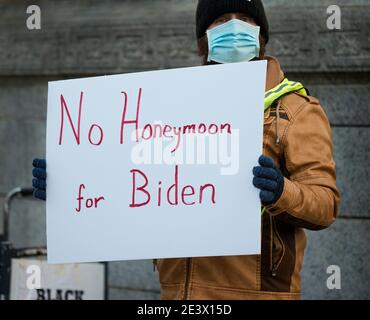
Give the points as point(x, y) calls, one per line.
point(233, 41)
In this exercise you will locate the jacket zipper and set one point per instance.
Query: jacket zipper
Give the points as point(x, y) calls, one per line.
point(275, 265)
point(271, 246)
point(187, 278)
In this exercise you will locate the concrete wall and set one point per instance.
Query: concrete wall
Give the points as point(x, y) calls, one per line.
point(82, 38)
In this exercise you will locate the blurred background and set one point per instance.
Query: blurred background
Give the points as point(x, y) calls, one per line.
point(91, 37)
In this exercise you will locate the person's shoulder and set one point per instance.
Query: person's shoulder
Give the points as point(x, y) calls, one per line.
point(296, 103)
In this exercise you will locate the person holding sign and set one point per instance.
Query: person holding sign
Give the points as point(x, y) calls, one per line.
point(296, 173)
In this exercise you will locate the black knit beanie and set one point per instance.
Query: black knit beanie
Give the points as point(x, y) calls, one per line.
point(209, 10)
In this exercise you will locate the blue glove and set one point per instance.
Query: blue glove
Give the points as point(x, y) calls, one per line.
point(39, 181)
point(269, 179)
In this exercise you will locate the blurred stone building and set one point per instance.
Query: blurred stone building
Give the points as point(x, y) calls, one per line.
point(91, 37)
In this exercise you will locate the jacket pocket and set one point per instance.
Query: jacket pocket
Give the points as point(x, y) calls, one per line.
point(268, 118)
point(277, 248)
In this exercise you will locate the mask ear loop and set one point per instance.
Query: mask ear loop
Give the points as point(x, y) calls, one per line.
point(209, 47)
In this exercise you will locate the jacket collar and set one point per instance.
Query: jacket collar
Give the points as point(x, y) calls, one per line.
point(274, 73)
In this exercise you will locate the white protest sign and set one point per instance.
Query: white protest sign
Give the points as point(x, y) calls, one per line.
point(155, 164)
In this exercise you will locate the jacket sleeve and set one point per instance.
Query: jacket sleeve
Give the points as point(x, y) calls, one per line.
point(310, 198)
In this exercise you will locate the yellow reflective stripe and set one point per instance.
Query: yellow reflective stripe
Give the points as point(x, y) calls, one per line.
point(283, 88)
point(278, 88)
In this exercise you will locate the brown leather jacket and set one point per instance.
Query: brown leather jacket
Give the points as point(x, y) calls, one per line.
point(299, 140)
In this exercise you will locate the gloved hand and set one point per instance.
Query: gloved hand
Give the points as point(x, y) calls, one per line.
point(269, 179)
point(39, 181)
